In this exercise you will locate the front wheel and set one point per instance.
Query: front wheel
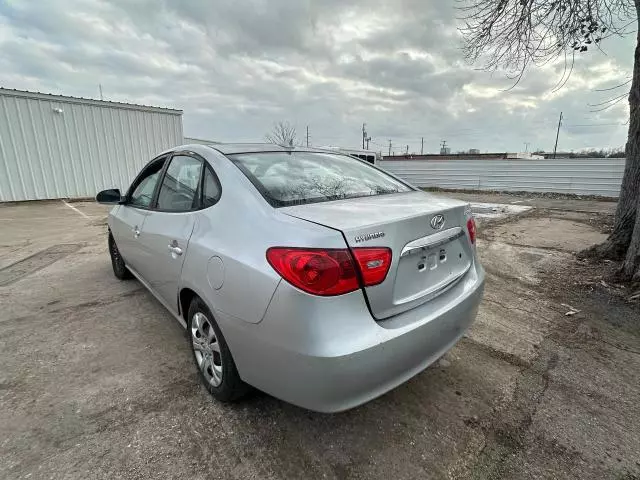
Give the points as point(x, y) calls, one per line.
point(120, 270)
point(212, 355)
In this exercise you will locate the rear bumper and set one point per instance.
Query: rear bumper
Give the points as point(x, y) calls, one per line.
point(330, 356)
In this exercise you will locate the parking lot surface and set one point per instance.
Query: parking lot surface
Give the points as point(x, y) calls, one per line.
point(96, 378)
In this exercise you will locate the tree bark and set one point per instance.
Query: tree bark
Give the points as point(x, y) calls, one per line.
point(624, 241)
point(631, 267)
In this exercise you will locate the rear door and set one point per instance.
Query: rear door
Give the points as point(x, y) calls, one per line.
point(426, 234)
point(168, 226)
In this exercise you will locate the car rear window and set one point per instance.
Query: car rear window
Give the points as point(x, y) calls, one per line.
point(294, 178)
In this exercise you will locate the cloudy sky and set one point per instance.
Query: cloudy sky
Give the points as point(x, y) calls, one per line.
point(236, 66)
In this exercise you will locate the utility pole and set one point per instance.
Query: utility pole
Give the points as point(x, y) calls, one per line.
point(389, 147)
point(555, 148)
point(443, 147)
point(100, 88)
point(422, 147)
point(407, 149)
point(526, 147)
point(307, 136)
point(365, 138)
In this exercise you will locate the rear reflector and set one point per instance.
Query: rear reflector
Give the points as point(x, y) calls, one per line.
point(374, 264)
point(471, 227)
point(318, 271)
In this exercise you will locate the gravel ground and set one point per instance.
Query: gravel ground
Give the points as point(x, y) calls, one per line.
point(96, 379)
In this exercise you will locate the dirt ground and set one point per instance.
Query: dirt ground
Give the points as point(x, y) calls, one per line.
point(96, 379)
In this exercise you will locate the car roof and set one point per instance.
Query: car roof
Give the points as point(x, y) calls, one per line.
point(233, 148)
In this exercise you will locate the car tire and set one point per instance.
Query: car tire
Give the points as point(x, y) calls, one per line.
point(212, 356)
point(120, 270)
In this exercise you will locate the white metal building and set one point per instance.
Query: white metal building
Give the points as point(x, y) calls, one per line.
point(54, 146)
point(580, 176)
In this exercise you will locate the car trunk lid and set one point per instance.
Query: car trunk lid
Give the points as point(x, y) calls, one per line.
point(426, 234)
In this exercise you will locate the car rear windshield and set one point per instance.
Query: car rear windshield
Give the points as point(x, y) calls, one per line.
point(294, 178)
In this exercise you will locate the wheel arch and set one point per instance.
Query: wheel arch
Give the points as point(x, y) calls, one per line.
point(185, 298)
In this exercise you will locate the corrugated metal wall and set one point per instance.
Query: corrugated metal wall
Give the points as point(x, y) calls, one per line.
point(63, 147)
point(583, 176)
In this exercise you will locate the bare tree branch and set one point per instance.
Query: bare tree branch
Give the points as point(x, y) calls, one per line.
point(610, 100)
point(613, 88)
point(282, 133)
point(515, 34)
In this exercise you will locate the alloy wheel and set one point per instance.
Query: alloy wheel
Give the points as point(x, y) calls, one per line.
point(206, 348)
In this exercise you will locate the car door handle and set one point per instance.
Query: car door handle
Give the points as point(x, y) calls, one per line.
point(175, 249)
point(136, 231)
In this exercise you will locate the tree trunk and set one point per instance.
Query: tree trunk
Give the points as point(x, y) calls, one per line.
point(631, 266)
point(624, 241)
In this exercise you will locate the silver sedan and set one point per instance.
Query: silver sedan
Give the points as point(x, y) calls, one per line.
point(308, 274)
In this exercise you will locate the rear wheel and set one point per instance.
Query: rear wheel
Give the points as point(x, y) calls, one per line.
point(120, 270)
point(212, 356)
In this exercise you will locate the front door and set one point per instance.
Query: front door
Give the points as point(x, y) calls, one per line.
point(127, 223)
point(168, 227)
point(126, 228)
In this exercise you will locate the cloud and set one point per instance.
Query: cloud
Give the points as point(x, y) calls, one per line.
point(237, 66)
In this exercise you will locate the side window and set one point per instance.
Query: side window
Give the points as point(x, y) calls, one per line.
point(142, 193)
point(210, 189)
point(178, 192)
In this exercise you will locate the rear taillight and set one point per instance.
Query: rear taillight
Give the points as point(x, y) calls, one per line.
point(374, 264)
point(331, 271)
point(318, 271)
point(471, 227)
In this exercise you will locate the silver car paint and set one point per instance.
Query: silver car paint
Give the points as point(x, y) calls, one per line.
point(325, 354)
point(329, 355)
point(166, 236)
point(123, 223)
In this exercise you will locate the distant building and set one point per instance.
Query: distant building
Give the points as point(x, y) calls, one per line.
point(367, 155)
point(474, 151)
point(445, 151)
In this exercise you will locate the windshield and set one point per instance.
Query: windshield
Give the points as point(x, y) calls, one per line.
point(294, 178)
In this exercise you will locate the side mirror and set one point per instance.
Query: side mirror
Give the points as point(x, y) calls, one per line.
point(111, 196)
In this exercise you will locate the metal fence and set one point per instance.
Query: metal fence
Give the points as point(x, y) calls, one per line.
point(54, 146)
point(581, 176)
